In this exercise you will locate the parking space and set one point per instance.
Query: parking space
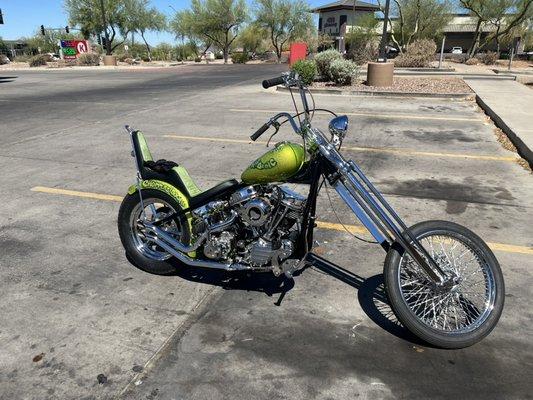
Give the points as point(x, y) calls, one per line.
point(75, 309)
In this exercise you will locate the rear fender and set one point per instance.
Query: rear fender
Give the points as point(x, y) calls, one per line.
point(173, 192)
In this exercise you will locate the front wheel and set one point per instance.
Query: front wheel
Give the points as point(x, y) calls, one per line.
point(457, 314)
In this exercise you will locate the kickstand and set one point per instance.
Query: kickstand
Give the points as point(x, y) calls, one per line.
point(288, 284)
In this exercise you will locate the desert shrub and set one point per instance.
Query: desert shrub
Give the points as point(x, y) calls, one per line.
point(122, 57)
point(4, 59)
point(197, 59)
point(323, 62)
point(163, 52)
point(488, 58)
point(419, 54)
point(362, 44)
point(239, 58)
point(343, 72)
point(306, 69)
point(22, 58)
point(472, 61)
point(38, 60)
point(89, 59)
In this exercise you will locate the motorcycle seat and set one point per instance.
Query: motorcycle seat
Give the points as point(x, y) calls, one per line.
point(177, 175)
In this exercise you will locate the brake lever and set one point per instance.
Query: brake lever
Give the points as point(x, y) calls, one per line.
point(276, 125)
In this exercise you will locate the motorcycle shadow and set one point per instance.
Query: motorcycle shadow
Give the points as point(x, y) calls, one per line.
point(371, 292)
point(371, 295)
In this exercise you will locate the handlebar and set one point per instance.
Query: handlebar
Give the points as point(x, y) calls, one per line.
point(260, 131)
point(273, 82)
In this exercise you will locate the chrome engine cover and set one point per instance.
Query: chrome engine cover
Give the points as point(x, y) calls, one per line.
point(256, 212)
point(219, 246)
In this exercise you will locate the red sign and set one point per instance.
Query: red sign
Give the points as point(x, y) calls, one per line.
point(298, 52)
point(73, 48)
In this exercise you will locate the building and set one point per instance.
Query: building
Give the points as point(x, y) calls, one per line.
point(334, 18)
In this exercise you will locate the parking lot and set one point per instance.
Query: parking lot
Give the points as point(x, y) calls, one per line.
point(79, 321)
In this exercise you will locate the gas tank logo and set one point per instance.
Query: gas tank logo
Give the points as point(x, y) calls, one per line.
point(260, 165)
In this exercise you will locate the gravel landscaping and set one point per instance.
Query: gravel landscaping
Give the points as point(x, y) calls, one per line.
point(408, 85)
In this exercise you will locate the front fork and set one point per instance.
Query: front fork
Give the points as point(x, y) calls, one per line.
point(380, 219)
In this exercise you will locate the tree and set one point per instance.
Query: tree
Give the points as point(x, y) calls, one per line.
point(86, 15)
point(212, 22)
point(501, 16)
point(361, 41)
point(252, 38)
point(417, 19)
point(284, 20)
point(139, 17)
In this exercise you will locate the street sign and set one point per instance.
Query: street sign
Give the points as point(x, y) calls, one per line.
point(73, 48)
point(126, 47)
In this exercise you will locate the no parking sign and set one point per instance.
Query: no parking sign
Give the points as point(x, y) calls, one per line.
point(73, 48)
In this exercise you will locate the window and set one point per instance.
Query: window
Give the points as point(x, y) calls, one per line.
point(342, 20)
point(320, 24)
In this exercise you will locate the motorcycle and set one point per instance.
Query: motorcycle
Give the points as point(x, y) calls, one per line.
point(443, 282)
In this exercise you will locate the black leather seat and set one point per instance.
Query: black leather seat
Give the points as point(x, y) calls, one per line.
point(225, 187)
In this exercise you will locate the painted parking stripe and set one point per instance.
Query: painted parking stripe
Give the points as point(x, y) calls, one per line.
point(355, 229)
point(375, 115)
point(400, 152)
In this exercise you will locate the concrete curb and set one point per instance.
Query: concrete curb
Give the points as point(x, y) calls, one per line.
point(360, 93)
point(524, 151)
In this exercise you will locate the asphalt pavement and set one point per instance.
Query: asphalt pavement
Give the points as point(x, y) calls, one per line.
point(79, 321)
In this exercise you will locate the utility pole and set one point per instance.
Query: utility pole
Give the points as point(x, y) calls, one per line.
point(384, 37)
point(104, 23)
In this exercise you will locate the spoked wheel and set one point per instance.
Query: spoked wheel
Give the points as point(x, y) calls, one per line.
point(144, 253)
point(460, 312)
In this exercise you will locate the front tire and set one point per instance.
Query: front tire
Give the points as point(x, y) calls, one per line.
point(455, 316)
point(140, 251)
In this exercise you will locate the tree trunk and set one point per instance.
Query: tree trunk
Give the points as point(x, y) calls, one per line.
point(225, 53)
point(147, 47)
point(475, 41)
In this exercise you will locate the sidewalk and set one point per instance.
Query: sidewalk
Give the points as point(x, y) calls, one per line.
point(510, 105)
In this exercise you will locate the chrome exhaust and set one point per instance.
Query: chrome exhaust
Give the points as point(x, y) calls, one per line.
point(164, 240)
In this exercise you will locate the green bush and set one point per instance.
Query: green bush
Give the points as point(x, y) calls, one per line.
point(488, 58)
point(239, 58)
point(197, 59)
point(343, 72)
point(306, 69)
point(38, 60)
point(419, 54)
point(88, 59)
point(323, 61)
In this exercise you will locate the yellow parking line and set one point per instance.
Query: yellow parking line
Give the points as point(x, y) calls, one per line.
point(376, 115)
point(401, 152)
point(88, 195)
point(355, 229)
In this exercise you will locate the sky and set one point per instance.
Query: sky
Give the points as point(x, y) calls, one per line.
point(24, 17)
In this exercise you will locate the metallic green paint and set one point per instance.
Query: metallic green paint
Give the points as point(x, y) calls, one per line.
point(276, 165)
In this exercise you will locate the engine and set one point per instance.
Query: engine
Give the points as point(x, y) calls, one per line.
point(257, 225)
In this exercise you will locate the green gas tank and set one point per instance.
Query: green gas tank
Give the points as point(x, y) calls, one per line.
point(276, 165)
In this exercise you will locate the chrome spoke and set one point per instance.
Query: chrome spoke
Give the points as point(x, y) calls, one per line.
point(461, 305)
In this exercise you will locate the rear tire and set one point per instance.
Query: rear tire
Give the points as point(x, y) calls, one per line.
point(141, 253)
point(431, 313)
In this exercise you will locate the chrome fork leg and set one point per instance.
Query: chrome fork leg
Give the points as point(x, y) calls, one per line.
point(381, 216)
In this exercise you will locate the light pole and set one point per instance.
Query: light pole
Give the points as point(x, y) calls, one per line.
point(384, 37)
point(104, 23)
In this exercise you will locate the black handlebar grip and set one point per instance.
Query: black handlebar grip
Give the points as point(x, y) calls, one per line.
point(273, 82)
point(260, 131)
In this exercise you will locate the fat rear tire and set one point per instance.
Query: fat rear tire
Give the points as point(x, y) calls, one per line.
point(405, 315)
point(130, 202)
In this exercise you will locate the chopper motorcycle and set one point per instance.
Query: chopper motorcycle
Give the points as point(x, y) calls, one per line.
point(443, 282)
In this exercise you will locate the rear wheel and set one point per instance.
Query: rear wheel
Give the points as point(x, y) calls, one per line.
point(143, 253)
point(459, 313)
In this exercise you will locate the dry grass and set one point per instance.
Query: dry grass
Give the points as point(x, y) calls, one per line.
point(508, 145)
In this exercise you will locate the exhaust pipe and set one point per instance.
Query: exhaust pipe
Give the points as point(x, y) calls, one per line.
point(164, 240)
